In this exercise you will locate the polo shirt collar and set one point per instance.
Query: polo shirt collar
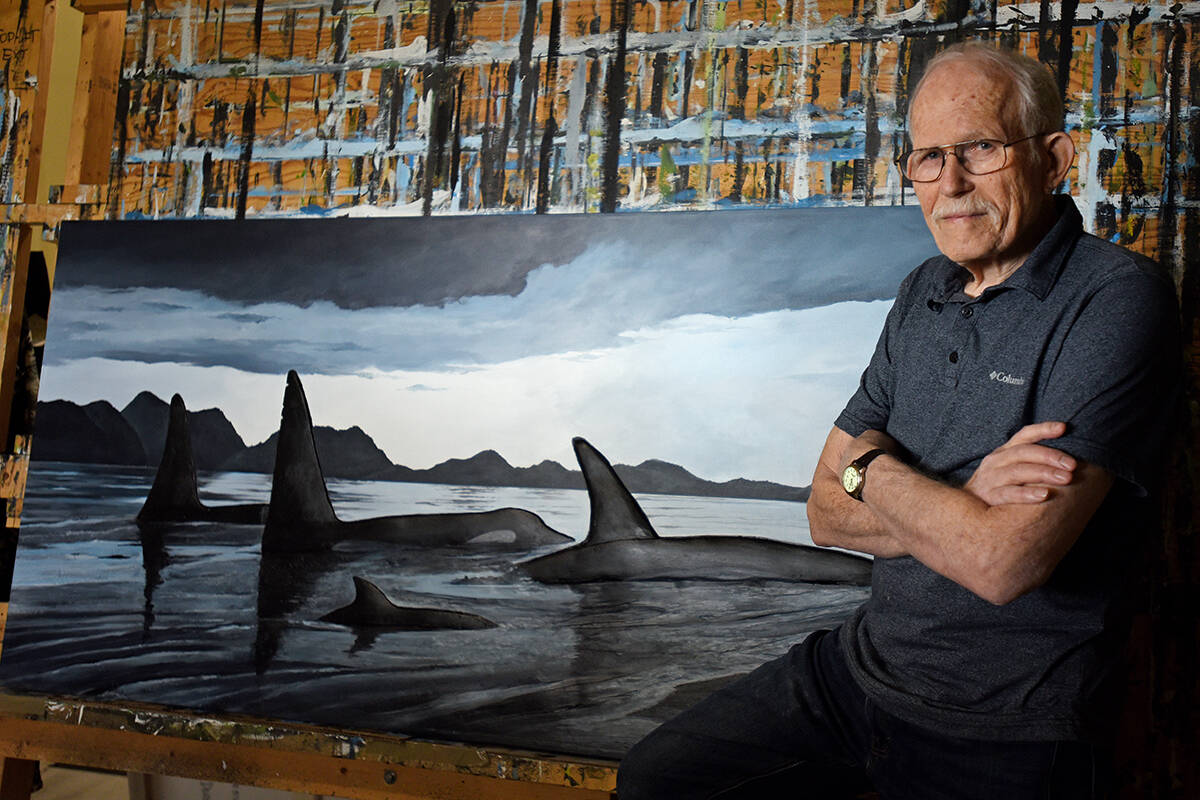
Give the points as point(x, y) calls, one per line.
point(1039, 272)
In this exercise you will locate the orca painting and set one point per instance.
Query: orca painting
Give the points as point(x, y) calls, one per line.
point(406, 408)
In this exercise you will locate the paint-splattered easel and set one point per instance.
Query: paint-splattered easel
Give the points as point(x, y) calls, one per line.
point(147, 740)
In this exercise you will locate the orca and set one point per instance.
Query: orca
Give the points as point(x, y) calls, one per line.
point(174, 497)
point(622, 545)
point(301, 515)
point(372, 608)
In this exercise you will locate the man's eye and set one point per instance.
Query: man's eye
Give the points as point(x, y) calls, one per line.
point(982, 146)
point(930, 155)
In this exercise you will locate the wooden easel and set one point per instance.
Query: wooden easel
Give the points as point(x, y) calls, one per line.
point(154, 740)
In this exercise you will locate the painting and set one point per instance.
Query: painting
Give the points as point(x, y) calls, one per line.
point(529, 481)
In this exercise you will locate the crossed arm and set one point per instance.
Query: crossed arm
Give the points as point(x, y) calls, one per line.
point(999, 536)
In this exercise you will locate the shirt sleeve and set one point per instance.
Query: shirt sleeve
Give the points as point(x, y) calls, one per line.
point(871, 405)
point(1116, 377)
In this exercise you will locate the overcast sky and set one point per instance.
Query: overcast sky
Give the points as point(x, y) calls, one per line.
point(725, 342)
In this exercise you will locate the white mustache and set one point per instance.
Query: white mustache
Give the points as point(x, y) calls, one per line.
point(960, 209)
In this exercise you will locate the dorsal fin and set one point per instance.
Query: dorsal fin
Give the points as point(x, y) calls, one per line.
point(615, 514)
point(369, 597)
point(174, 495)
point(298, 493)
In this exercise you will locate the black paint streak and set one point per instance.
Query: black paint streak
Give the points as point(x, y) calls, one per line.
point(656, 85)
point(1109, 46)
point(741, 82)
point(1066, 27)
point(846, 71)
point(1134, 184)
point(689, 69)
point(219, 119)
point(614, 111)
point(117, 170)
point(438, 83)
point(248, 115)
point(527, 74)
point(206, 182)
point(545, 155)
point(1047, 45)
point(814, 76)
point(739, 171)
point(258, 23)
point(546, 149)
point(1168, 211)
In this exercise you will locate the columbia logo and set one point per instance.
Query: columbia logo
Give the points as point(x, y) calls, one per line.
point(1004, 377)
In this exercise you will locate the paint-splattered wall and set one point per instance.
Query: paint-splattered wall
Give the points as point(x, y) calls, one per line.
point(433, 106)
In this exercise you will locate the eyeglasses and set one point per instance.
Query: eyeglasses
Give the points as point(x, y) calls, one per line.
point(978, 157)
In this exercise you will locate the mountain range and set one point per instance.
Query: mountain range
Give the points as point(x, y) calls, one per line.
point(97, 433)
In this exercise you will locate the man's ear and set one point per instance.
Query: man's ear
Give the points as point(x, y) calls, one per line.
point(1060, 155)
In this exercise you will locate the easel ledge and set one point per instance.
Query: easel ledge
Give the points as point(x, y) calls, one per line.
point(138, 738)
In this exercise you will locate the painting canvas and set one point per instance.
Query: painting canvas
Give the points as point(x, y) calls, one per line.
point(321, 470)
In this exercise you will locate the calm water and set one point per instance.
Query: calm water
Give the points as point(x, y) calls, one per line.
point(197, 618)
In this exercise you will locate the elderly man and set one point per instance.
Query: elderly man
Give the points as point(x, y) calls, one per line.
point(995, 461)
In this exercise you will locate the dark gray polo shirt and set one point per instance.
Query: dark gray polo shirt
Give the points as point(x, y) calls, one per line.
point(1085, 333)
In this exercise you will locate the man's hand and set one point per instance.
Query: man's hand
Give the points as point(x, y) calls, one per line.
point(1022, 471)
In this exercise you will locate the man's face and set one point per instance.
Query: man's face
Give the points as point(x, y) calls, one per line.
point(983, 222)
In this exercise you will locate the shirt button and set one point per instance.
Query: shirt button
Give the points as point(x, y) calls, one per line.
point(954, 357)
point(966, 311)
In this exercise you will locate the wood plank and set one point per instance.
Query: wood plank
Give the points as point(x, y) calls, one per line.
point(95, 109)
point(96, 6)
point(50, 214)
point(162, 723)
point(11, 335)
point(266, 766)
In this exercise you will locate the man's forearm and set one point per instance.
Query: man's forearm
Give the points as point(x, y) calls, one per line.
point(999, 536)
point(999, 552)
point(837, 520)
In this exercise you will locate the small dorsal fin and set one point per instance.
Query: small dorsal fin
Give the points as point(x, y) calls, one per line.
point(369, 597)
point(174, 495)
point(615, 514)
point(298, 493)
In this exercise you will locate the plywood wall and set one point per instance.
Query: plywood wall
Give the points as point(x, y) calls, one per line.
point(436, 106)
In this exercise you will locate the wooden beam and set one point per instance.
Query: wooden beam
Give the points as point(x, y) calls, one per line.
point(50, 214)
point(56, 721)
point(94, 113)
point(264, 766)
point(96, 6)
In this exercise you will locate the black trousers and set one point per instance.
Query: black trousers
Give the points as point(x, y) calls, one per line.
point(800, 727)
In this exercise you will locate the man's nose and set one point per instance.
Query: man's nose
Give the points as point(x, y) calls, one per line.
point(954, 180)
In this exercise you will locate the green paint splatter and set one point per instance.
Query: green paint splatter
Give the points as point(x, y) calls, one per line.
point(666, 174)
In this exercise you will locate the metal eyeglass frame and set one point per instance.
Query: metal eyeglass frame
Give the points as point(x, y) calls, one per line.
point(901, 160)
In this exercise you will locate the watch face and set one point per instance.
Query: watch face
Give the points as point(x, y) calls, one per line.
point(851, 478)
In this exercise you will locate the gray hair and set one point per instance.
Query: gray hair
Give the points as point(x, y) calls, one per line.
point(1039, 103)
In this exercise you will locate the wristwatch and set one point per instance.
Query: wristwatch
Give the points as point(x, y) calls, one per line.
point(854, 476)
